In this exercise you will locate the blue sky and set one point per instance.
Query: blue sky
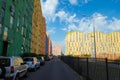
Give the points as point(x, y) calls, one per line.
point(67, 15)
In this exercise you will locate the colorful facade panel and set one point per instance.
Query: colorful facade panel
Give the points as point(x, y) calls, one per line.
point(15, 26)
point(78, 43)
point(38, 30)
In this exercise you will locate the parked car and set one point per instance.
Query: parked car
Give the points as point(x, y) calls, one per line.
point(47, 58)
point(51, 57)
point(41, 60)
point(12, 68)
point(32, 63)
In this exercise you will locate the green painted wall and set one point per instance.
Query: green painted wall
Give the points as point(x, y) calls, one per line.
point(0, 33)
point(20, 43)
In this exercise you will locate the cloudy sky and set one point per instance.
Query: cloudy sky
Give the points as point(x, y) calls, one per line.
point(68, 15)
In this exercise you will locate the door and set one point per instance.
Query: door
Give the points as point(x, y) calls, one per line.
point(5, 47)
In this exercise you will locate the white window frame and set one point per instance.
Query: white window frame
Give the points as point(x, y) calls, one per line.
point(11, 15)
point(5, 31)
point(18, 21)
point(11, 21)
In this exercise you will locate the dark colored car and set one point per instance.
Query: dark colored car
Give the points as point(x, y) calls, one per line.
point(47, 58)
point(42, 60)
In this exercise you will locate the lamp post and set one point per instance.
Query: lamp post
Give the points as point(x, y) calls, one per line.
point(94, 35)
point(94, 40)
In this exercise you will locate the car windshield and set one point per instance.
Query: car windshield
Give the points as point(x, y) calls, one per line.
point(39, 58)
point(4, 62)
point(28, 59)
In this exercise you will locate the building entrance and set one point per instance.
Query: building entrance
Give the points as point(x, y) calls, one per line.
point(5, 47)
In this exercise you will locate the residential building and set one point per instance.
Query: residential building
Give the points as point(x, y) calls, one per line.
point(57, 50)
point(47, 38)
point(38, 30)
point(15, 26)
point(78, 43)
point(43, 37)
point(48, 45)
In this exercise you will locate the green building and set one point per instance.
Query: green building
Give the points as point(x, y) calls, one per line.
point(15, 26)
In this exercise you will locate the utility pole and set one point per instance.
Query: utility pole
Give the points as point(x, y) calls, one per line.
point(84, 15)
point(94, 40)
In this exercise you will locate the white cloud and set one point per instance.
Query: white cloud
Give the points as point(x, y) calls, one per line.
point(70, 20)
point(73, 2)
point(66, 17)
point(62, 15)
point(52, 30)
point(114, 25)
point(70, 27)
point(64, 29)
point(49, 9)
point(99, 21)
point(86, 1)
point(80, 2)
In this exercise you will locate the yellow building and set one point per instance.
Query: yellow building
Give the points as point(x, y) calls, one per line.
point(78, 43)
point(38, 30)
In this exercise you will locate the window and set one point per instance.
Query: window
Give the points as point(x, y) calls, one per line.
point(22, 30)
point(11, 21)
point(2, 15)
point(3, 4)
point(28, 59)
point(13, 0)
point(18, 21)
point(26, 25)
point(23, 21)
point(5, 33)
point(22, 47)
point(4, 62)
point(12, 10)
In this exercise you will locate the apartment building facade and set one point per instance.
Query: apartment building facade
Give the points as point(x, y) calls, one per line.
point(57, 50)
point(48, 45)
point(78, 43)
point(15, 26)
point(38, 30)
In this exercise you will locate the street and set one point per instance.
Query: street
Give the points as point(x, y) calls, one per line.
point(53, 70)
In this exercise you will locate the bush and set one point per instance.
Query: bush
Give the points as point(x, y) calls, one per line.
point(29, 55)
point(32, 55)
point(86, 55)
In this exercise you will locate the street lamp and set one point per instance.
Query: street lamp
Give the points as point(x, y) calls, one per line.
point(94, 40)
point(94, 34)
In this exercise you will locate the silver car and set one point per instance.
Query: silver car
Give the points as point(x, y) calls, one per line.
point(32, 63)
point(12, 68)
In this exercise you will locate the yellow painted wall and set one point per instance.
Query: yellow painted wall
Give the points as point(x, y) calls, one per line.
point(78, 43)
point(38, 30)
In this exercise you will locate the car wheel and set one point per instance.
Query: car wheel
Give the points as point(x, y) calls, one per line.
point(35, 69)
point(26, 74)
point(3, 72)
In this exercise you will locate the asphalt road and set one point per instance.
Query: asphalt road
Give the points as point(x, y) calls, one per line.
point(53, 70)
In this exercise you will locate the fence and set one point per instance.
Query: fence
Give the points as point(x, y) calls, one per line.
point(94, 69)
